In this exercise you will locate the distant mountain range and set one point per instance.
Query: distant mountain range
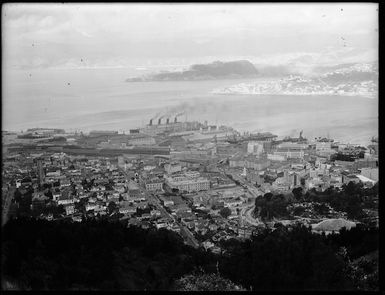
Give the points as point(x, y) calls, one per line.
point(211, 71)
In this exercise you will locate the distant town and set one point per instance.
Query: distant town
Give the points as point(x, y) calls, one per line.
point(199, 180)
point(356, 80)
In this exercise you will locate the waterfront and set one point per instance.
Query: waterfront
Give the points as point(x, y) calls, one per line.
point(100, 99)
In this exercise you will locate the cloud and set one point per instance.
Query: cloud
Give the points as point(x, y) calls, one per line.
point(151, 31)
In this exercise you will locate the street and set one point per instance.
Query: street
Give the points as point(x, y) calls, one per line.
point(7, 203)
point(246, 212)
point(153, 198)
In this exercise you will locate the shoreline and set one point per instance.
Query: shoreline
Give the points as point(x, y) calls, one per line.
point(374, 96)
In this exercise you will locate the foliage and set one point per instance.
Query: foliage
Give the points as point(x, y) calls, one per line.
point(104, 255)
point(295, 259)
point(205, 282)
point(352, 199)
point(271, 206)
point(112, 207)
point(298, 211)
point(298, 193)
point(321, 208)
point(95, 255)
point(364, 272)
point(225, 212)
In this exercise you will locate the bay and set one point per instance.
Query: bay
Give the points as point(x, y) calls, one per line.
point(89, 99)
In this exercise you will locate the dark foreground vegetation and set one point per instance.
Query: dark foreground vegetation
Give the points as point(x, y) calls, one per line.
point(103, 255)
point(353, 199)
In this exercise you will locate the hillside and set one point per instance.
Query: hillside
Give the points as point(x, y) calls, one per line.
point(212, 71)
point(103, 255)
point(350, 79)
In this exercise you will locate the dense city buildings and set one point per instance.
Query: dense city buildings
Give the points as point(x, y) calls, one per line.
point(181, 184)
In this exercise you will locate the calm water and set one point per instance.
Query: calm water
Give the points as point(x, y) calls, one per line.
point(100, 99)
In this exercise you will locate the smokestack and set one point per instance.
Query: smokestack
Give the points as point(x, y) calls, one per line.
point(151, 122)
point(168, 121)
point(159, 121)
point(175, 120)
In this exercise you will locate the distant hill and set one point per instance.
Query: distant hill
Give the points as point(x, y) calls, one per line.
point(212, 71)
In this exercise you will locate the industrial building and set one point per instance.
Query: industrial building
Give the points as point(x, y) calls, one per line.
point(95, 133)
point(169, 126)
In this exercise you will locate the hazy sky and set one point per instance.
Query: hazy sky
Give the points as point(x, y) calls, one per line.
point(122, 34)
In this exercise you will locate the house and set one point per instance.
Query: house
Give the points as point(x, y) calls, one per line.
point(133, 222)
point(175, 227)
point(213, 227)
point(155, 213)
point(90, 206)
point(65, 198)
point(65, 183)
point(119, 188)
point(146, 216)
point(77, 218)
point(161, 225)
point(126, 208)
point(100, 209)
point(56, 196)
point(125, 196)
point(167, 202)
point(70, 209)
point(207, 245)
point(142, 205)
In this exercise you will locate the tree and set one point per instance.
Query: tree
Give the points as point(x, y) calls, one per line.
point(225, 212)
point(17, 196)
point(297, 192)
point(270, 206)
point(60, 210)
point(49, 194)
point(298, 211)
point(321, 208)
point(111, 207)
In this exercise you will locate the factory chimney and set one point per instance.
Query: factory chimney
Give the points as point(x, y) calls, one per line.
point(151, 122)
point(175, 120)
point(168, 121)
point(159, 121)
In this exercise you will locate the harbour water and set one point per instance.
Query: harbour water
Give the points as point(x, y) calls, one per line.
point(87, 99)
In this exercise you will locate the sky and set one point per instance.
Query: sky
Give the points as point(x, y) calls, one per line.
point(108, 35)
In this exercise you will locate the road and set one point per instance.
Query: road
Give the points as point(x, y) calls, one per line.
point(187, 234)
point(153, 199)
point(7, 203)
point(250, 219)
point(246, 212)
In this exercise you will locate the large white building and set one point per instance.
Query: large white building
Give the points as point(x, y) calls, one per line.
point(291, 150)
point(319, 146)
point(190, 182)
point(172, 168)
point(290, 153)
point(255, 148)
point(154, 185)
point(273, 157)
